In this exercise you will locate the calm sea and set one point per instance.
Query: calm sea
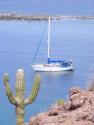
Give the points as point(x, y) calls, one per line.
point(69, 39)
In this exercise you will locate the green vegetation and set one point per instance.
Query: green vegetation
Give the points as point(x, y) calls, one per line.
point(19, 101)
point(60, 102)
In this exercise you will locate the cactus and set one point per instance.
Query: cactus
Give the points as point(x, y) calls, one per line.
point(19, 100)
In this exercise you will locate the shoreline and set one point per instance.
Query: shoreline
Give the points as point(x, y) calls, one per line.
point(25, 17)
point(78, 110)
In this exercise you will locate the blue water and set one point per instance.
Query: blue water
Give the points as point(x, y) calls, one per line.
point(18, 43)
point(69, 38)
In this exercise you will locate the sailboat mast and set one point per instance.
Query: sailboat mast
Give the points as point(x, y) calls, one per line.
point(49, 40)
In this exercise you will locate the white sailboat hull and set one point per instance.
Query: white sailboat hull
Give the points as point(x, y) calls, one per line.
point(52, 65)
point(51, 68)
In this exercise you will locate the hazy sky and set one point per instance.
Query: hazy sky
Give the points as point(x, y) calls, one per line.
point(80, 7)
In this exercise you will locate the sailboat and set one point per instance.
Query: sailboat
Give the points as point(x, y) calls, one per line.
point(53, 65)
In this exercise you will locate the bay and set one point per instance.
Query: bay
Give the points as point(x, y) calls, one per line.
point(18, 44)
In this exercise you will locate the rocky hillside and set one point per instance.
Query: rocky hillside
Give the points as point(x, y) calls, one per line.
point(79, 110)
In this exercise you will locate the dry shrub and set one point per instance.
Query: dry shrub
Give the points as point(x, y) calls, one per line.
point(91, 82)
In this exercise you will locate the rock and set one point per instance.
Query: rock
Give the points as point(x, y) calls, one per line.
point(67, 106)
point(75, 90)
point(56, 110)
point(79, 110)
point(77, 101)
point(53, 112)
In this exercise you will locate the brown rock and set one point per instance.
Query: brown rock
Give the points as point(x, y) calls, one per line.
point(75, 90)
point(67, 106)
point(79, 110)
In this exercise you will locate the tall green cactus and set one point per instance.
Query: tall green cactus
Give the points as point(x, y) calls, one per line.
point(19, 100)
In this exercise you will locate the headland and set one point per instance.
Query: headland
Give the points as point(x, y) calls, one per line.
point(26, 17)
point(78, 110)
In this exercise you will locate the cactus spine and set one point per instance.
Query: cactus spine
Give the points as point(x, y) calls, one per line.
point(19, 100)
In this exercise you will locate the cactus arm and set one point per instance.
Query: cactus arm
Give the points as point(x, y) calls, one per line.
point(9, 93)
point(34, 91)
